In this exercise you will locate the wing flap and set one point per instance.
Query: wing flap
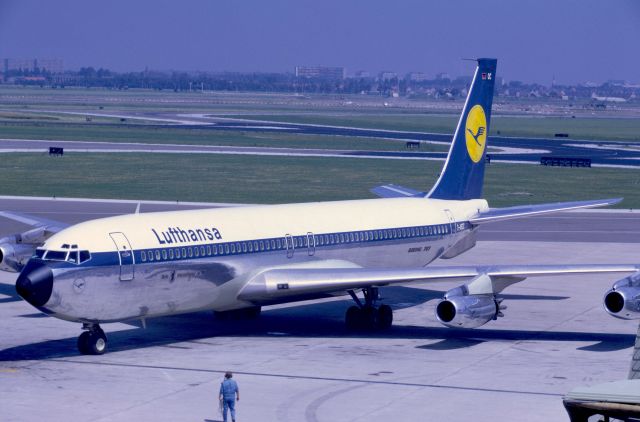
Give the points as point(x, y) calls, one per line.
point(283, 283)
point(498, 214)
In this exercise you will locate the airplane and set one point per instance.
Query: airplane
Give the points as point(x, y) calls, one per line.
point(236, 260)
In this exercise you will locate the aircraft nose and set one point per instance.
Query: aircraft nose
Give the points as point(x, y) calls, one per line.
point(35, 283)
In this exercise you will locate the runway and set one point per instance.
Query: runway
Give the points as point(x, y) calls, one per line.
point(505, 149)
point(298, 363)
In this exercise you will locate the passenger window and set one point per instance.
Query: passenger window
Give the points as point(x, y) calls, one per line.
point(150, 255)
point(143, 256)
point(164, 254)
point(226, 249)
point(190, 251)
point(214, 250)
point(250, 246)
point(196, 251)
point(273, 244)
point(341, 238)
point(157, 255)
point(233, 248)
point(201, 250)
point(170, 253)
point(244, 247)
point(209, 250)
point(279, 243)
point(177, 253)
point(255, 245)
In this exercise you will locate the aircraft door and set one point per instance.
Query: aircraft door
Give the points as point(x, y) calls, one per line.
point(311, 244)
point(288, 241)
point(452, 224)
point(125, 255)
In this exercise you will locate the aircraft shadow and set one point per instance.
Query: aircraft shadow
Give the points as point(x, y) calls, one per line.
point(9, 290)
point(305, 321)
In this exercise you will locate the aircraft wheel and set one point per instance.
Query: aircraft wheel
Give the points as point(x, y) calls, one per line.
point(353, 318)
point(92, 342)
point(385, 317)
point(369, 317)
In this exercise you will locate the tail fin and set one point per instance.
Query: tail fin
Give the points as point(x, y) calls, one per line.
point(463, 173)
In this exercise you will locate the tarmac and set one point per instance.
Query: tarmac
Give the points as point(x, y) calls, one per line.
point(298, 363)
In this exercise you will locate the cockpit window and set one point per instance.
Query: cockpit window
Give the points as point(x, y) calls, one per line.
point(56, 256)
point(73, 257)
point(84, 256)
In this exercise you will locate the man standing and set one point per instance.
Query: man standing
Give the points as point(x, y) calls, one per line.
point(229, 393)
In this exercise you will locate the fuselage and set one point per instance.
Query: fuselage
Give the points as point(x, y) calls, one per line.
point(152, 264)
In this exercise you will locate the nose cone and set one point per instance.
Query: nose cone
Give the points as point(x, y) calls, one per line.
point(35, 283)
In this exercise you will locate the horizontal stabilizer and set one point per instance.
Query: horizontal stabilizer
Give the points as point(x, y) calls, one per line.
point(395, 191)
point(497, 214)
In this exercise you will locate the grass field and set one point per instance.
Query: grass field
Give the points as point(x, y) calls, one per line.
point(264, 179)
point(197, 136)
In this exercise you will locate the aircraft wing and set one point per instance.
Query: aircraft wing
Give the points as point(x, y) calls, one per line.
point(42, 228)
point(282, 283)
point(16, 249)
point(498, 214)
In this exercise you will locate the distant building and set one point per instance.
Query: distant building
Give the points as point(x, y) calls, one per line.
point(30, 65)
point(442, 76)
point(387, 76)
point(322, 72)
point(417, 77)
point(362, 74)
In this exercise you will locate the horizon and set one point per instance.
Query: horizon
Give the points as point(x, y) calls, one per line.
point(570, 42)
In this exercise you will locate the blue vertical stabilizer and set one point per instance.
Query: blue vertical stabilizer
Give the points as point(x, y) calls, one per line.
point(463, 173)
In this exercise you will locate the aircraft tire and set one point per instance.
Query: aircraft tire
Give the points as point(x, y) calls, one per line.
point(385, 317)
point(353, 318)
point(369, 317)
point(83, 343)
point(92, 342)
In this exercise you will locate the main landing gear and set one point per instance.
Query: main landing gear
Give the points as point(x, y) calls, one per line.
point(92, 341)
point(368, 316)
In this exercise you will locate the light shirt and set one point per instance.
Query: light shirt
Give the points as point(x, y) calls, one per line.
point(228, 389)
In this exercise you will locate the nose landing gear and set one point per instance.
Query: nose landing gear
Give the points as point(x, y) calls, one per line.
point(368, 316)
point(93, 340)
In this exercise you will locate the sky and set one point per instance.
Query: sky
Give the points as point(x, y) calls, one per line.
point(570, 41)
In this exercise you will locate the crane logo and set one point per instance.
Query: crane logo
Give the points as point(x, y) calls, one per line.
point(476, 132)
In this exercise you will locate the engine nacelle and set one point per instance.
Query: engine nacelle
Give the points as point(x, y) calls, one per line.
point(469, 311)
point(623, 300)
point(14, 256)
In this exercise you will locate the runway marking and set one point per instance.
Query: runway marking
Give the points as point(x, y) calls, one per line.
point(313, 378)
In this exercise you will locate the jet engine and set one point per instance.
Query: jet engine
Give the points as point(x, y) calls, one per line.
point(623, 300)
point(467, 311)
point(13, 255)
